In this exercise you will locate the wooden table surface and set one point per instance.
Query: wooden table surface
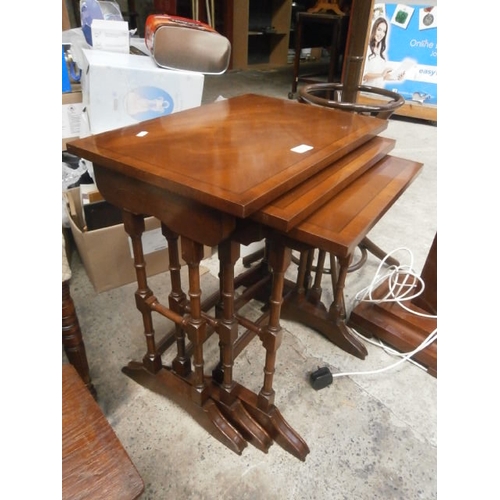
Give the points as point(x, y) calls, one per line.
point(94, 463)
point(235, 155)
point(231, 170)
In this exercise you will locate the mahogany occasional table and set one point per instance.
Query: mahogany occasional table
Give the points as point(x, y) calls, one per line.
point(205, 173)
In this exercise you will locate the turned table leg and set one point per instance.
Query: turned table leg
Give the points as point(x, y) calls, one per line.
point(315, 292)
point(262, 407)
point(134, 226)
point(344, 337)
point(176, 302)
point(188, 388)
point(304, 305)
point(196, 328)
point(227, 329)
point(272, 336)
point(227, 325)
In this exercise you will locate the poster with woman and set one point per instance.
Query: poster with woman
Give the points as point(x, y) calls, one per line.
point(402, 51)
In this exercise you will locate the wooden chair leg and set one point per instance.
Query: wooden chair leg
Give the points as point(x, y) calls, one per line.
point(72, 339)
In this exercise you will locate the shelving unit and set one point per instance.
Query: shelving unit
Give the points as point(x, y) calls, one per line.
point(261, 33)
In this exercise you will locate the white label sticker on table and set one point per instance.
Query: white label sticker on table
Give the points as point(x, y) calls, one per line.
point(302, 148)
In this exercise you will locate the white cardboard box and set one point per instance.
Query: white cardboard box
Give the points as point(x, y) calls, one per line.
point(124, 89)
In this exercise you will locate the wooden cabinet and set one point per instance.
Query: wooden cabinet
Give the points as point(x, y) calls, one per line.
point(260, 33)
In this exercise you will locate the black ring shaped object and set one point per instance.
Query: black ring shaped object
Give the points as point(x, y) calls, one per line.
point(307, 94)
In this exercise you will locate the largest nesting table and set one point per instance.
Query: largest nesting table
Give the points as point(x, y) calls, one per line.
point(228, 173)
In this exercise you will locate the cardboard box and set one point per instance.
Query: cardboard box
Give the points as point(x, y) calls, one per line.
point(72, 107)
point(124, 89)
point(107, 253)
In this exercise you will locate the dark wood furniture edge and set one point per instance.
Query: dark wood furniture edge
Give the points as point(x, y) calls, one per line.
point(95, 464)
point(72, 339)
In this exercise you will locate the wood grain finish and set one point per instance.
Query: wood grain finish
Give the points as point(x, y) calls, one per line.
point(206, 225)
point(233, 155)
point(340, 225)
point(94, 463)
point(297, 204)
point(337, 228)
point(224, 174)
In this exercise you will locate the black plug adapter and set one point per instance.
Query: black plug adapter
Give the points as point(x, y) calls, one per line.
point(321, 378)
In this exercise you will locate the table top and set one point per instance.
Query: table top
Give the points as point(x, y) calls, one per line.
point(288, 210)
point(341, 223)
point(234, 155)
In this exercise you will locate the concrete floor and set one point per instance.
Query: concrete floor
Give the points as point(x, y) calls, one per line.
point(370, 436)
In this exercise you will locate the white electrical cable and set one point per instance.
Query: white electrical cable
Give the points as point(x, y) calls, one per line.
point(399, 290)
point(403, 285)
point(386, 348)
point(428, 341)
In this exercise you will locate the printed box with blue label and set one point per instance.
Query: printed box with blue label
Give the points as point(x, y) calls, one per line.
point(124, 89)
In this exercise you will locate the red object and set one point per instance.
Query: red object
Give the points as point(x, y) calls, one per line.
point(155, 21)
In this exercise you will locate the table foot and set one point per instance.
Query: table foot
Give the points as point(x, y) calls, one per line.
point(297, 308)
point(237, 414)
point(274, 423)
point(179, 390)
